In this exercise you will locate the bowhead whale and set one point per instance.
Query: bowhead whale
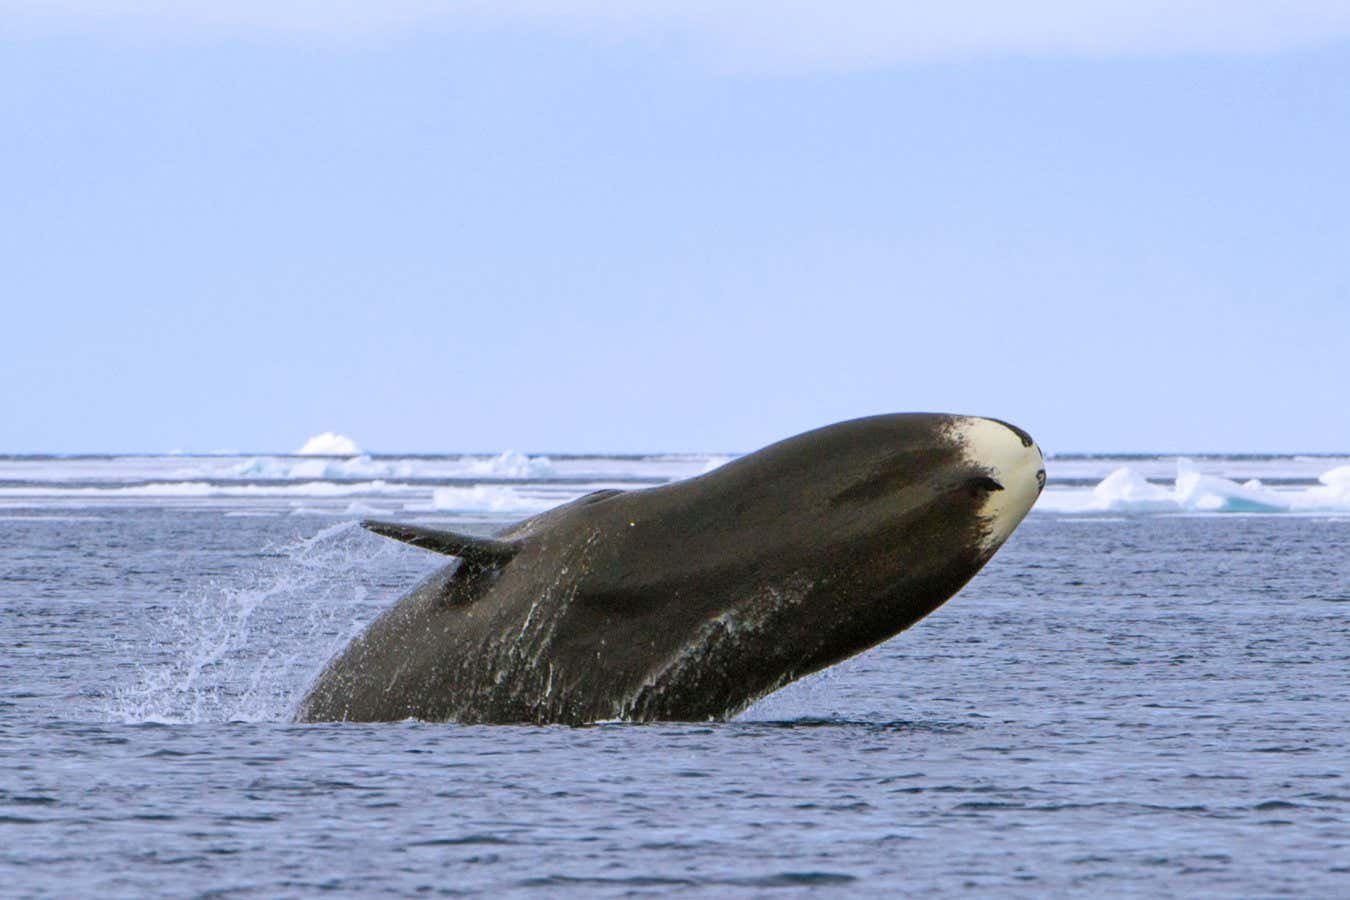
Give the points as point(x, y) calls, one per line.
point(692, 600)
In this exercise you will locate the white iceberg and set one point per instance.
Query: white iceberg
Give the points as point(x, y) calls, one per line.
point(329, 444)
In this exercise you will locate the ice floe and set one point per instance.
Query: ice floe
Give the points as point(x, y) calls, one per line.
point(1192, 491)
point(321, 468)
point(510, 464)
point(487, 498)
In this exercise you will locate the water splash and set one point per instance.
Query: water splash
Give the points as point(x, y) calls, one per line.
point(245, 653)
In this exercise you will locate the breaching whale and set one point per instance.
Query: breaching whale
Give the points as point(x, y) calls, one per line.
point(691, 600)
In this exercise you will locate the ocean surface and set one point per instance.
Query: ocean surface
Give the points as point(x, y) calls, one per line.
point(1147, 692)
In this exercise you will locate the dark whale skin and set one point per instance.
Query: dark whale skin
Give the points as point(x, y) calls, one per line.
point(691, 600)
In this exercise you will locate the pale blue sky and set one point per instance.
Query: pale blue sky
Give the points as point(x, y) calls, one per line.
point(692, 227)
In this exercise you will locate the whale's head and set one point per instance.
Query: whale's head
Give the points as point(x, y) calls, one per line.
point(817, 547)
point(1014, 467)
point(936, 488)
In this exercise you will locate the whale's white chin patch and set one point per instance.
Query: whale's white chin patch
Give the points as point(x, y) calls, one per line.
point(1011, 459)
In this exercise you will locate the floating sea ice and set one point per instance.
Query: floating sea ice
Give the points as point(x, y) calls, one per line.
point(1125, 490)
point(1332, 493)
point(320, 468)
point(512, 464)
point(258, 467)
point(1195, 491)
point(313, 468)
point(488, 498)
point(359, 467)
point(1338, 478)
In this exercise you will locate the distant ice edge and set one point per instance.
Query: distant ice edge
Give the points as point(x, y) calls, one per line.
point(512, 485)
point(1127, 491)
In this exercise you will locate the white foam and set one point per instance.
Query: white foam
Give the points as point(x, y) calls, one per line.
point(329, 444)
point(1125, 490)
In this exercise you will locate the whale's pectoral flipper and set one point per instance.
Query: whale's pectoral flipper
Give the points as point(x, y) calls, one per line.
point(476, 551)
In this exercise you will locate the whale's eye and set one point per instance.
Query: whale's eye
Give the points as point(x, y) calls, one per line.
point(983, 484)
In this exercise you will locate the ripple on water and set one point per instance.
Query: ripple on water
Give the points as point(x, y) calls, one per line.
point(1100, 737)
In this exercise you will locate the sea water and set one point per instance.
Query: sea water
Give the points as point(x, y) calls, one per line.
point(1145, 692)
